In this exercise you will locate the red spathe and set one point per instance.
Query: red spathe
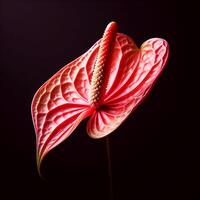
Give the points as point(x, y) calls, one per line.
point(62, 102)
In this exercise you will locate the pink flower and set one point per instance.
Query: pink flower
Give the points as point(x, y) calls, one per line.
point(106, 83)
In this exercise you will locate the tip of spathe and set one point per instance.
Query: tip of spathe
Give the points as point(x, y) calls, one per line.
point(39, 161)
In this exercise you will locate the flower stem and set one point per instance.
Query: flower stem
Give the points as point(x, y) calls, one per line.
point(109, 167)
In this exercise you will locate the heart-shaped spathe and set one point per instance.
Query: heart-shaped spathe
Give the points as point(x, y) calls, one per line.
point(63, 101)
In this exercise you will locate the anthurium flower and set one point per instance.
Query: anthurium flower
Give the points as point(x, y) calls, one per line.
point(106, 83)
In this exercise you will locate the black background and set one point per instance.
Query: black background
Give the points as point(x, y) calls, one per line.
point(38, 38)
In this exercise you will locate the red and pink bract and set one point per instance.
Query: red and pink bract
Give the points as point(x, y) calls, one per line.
point(106, 83)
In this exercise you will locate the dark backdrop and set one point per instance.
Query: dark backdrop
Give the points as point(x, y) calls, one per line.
point(38, 38)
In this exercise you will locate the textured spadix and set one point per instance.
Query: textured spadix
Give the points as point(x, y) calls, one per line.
point(107, 83)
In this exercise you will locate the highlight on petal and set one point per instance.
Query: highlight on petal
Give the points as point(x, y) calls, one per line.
point(140, 71)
